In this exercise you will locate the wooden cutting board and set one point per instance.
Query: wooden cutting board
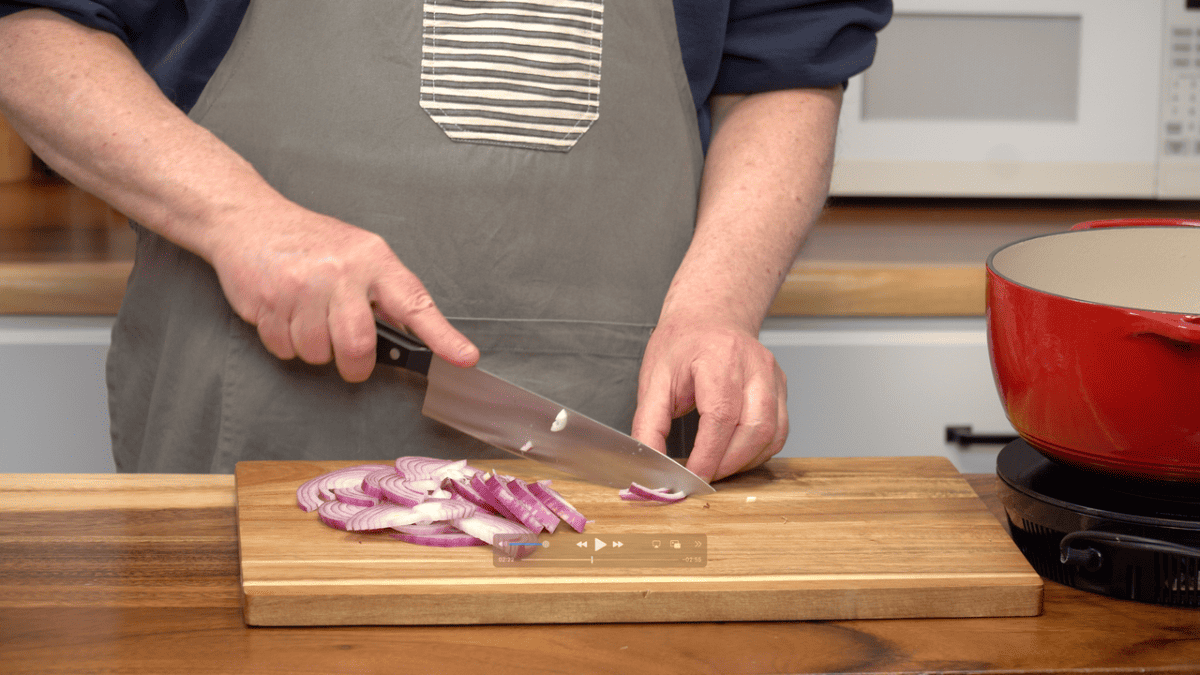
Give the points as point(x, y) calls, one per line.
point(797, 539)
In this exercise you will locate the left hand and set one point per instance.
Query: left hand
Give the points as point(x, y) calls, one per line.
point(730, 377)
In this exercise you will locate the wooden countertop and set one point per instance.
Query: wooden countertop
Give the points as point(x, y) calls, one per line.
point(63, 251)
point(139, 574)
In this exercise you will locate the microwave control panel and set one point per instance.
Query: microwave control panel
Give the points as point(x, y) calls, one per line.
point(1179, 128)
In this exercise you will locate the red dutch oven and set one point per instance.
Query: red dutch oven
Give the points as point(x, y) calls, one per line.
point(1094, 336)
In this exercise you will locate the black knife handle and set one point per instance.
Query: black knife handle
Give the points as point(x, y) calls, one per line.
point(394, 347)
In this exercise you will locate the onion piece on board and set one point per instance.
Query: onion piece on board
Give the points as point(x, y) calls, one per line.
point(441, 540)
point(497, 532)
point(310, 495)
point(558, 505)
point(641, 493)
point(336, 513)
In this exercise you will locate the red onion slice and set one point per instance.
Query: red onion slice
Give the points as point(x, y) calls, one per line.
point(425, 530)
point(418, 468)
point(441, 540)
point(336, 513)
point(480, 484)
point(488, 527)
point(521, 511)
point(558, 505)
point(462, 487)
point(370, 484)
point(641, 493)
point(545, 516)
point(396, 488)
point(310, 495)
point(393, 515)
point(354, 496)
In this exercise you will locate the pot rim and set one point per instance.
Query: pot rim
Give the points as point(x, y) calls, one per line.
point(991, 269)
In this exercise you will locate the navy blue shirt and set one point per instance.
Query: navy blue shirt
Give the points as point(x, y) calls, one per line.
point(729, 46)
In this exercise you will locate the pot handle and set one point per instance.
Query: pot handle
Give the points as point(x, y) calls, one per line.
point(1178, 327)
point(1130, 222)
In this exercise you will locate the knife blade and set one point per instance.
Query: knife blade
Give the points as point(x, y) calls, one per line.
point(526, 424)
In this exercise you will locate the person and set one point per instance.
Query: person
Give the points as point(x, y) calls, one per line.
point(597, 199)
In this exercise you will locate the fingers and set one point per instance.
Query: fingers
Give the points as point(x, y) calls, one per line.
point(652, 420)
point(311, 285)
point(743, 414)
point(400, 297)
point(352, 332)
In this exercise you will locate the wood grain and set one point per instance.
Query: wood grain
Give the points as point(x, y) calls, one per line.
point(821, 538)
point(100, 618)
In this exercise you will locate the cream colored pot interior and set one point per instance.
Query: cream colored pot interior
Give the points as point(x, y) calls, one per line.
point(1146, 267)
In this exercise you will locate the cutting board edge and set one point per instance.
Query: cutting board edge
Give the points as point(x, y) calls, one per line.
point(1019, 598)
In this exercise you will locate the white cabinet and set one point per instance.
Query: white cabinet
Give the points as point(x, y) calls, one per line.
point(868, 386)
point(887, 386)
point(53, 398)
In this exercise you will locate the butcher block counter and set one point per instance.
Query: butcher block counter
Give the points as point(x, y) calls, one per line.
point(140, 574)
point(63, 252)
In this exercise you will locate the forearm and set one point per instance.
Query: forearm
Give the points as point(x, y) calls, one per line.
point(85, 105)
point(765, 180)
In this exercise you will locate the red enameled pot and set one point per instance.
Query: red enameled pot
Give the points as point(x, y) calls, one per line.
point(1094, 336)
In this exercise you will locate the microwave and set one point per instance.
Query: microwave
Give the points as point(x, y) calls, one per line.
point(1027, 98)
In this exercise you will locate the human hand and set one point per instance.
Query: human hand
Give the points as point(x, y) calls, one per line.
point(730, 377)
point(313, 284)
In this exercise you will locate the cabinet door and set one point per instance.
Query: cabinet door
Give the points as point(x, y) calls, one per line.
point(871, 387)
point(53, 397)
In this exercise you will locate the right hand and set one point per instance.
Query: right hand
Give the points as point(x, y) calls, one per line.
point(313, 284)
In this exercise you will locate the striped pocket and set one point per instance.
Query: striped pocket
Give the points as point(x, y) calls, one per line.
point(518, 73)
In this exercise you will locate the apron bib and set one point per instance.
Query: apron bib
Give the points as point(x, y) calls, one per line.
point(535, 164)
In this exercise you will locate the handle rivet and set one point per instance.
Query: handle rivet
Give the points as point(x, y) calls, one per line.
point(394, 354)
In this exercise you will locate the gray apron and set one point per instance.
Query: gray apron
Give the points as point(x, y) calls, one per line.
point(549, 244)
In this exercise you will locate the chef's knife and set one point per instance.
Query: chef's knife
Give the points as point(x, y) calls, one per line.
point(528, 425)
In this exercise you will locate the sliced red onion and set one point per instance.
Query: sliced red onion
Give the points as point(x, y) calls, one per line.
point(480, 485)
point(336, 513)
point(523, 512)
point(394, 515)
point(419, 468)
point(441, 540)
point(396, 488)
point(354, 496)
point(545, 516)
point(488, 528)
point(436, 510)
point(558, 505)
point(370, 484)
point(311, 493)
point(641, 493)
point(423, 530)
point(429, 497)
point(462, 487)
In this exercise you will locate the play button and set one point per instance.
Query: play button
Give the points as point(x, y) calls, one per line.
point(599, 545)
